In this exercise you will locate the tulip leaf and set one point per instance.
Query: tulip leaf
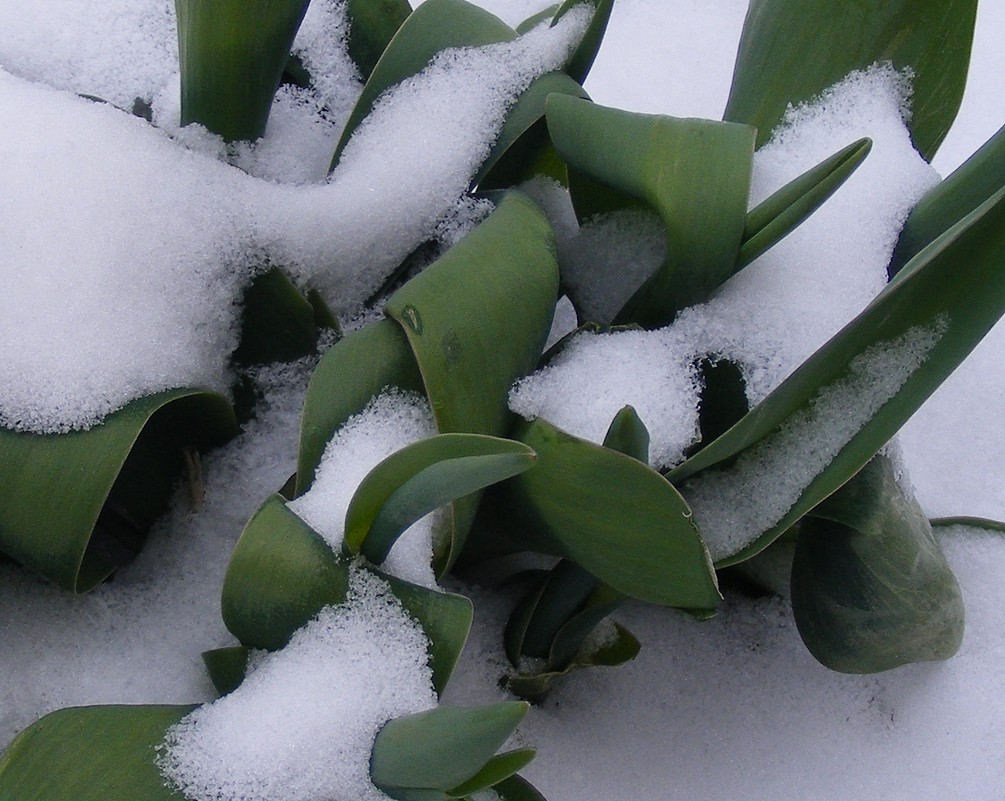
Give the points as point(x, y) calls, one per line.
point(627, 434)
point(562, 595)
point(792, 50)
point(232, 54)
point(420, 478)
point(614, 516)
point(497, 769)
point(972, 522)
point(277, 323)
point(579, 64)
point(517, 788)
point(282, 574)
point(782, 212)
point(372, 25)
point(113, 481)
point(349, 375)
point(477, 320)
point(93, 753)
point(432, 27)
point(226, 667)
point(871, 589)
point(947, 298)
point(972, 183)
point(694, 173)
point(441, 748)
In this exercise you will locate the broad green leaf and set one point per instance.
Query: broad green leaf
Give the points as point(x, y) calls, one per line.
point(277, 321)
point(792, 50)
point(226, 667)
point(477, 320)
point(778, 215)
point(434, 26)
point(523, 149)
point(346, 379)
point(441, 748)
point(372, 25)
point(948, 297)
point(232, 54)
point(91, 753)
point(627, 434)
point(422, 477)
point(497, 769)
point(535, 686)
point(871, 589)
point(112, 482)
point(282, 574)
point(694, 173)
point(614, 516)
point(972, 183)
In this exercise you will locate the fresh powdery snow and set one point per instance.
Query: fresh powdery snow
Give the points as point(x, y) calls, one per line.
point(126, 252)
point(301, 726)
point(123, 252)
point(390, 421)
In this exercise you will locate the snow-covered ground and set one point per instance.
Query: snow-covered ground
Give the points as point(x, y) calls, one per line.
point(730, 708)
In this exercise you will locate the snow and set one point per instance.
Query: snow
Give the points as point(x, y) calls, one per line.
point(728, 708)
point(390, 421)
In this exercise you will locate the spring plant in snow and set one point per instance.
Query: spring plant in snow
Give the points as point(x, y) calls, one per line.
point(719, 401)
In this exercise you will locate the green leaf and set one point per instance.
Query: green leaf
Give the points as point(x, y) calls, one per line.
point(232, 54)
point(420, 478)
point(567, 645)
point(579, 64)
point(871, 589)
point(227, 667)
point(282, 574)
point(951, 293)
point(96, 753)
point(536, 19)
point(563, 594)
point(611, 514)
point(372, 25)
point(347, 378)
point(477, 320)
point(523, 149)
point(535, 686)
point(627, 434)
point(434, 26)
point(497, 769)
point(972, 183)
point(113, 481)
point(972, 522)
point(277, 321)
point(777, 216)
point(441, 748)
point(694, 173)
point(792, 50)
point(517, 788)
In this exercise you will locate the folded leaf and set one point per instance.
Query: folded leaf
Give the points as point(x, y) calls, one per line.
point(871, 589)
point(113, 481)
point(579, 64)
point(441, 748)
point(497, 769)
point(420, 478)
point(791, 50)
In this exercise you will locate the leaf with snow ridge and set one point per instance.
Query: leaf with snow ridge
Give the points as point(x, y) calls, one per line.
point(792, 50)
point(372, 26)
point(113, 481)
point(954, 289)
point(434, 26)
point(282, 573)
point(871, 588)
point(232, 54)
point(95, 753)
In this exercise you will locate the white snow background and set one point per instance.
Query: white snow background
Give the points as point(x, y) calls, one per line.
point(731, 708)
